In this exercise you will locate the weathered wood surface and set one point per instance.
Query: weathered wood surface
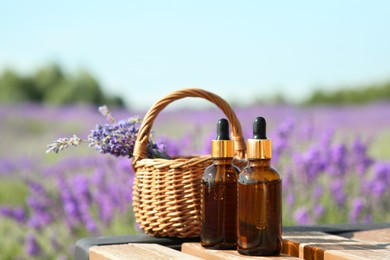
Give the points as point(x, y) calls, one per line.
point(196, 249)
point(369, 245)
point(136, 251)
point(318, 245)
point(378, 237)
point(372, 245)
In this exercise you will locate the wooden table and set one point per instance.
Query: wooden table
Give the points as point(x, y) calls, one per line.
point(327, 242)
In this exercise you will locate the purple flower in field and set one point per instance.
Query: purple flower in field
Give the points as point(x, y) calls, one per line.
point(380, 181)
point(337, 190)
point(107, 199)
point(39, 219)
point(281, 140)
point(317, 192)
point(31, 245)
point(18, 214)
point(7, 166)
point(306, 131)
point(83, 197)
point(80, 184)
point(302, 216)
point(39, 203)
point(318, 210)
point(368, 218)
point(338, 160)
point(286, 128)
point(69, 203)
point(290, 199)
point(106, 208)
point(170, 147)
point(311, 164)
point(382, 172)
point(361, 159)
point(378, 188)
point(357, 208)
point(326, 138)
point(288, 179)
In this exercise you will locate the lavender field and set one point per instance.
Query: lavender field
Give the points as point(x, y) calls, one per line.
point(335, 164)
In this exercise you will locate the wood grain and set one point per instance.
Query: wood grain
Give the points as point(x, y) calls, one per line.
point(372, 245)
point(136, 251)
point(317, 245)
point(196, 249)
point(378, 237)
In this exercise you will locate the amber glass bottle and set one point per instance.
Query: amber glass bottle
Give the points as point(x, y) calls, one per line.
point(219, 194)
point(259, 229)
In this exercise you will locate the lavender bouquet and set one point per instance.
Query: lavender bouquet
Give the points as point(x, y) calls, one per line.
point(116, 138)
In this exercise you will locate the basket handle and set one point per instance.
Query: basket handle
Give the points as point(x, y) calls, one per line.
point(139, 152)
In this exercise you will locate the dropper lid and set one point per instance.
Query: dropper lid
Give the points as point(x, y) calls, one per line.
point(259, 147)
point(222, 146)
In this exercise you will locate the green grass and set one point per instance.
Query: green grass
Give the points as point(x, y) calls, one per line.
point(12, 192)
point(380, 148)
point(11, 244)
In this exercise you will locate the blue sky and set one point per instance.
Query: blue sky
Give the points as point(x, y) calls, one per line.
point(143, 50)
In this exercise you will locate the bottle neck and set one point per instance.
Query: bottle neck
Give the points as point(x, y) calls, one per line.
point(222, 160)
point(259, 162)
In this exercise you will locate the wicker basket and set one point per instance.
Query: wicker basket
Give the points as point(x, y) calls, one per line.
point(166, 193)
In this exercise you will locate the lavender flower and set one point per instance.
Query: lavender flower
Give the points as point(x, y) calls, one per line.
point(117, 138)
point(31, 245)
point(39, 203)
point(69, 203)
point(18, 214)
point(318, 211)
point(302, 216)
point(317, 192)
point(367, 218)
point(337, 190)
point(357, 207)
point(290, 200)
point(382, 173)
point(311, 163)
point(63, 143)
point(81, 188)
point(338, 160)
point(281, 142)
point(362, 160)
point(380, 181)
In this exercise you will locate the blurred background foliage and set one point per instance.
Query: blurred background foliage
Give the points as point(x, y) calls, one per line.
point(51, 85)
point(350, 95)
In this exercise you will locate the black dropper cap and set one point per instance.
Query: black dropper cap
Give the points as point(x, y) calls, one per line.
point(259, 128)
point(222, 129)
point(222, 146)
point(259, 147)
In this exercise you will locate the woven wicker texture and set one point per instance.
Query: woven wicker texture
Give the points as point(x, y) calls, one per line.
point(166, 193)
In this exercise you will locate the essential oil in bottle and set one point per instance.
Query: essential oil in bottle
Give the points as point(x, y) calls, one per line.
point(259, 229)
point(219, 194)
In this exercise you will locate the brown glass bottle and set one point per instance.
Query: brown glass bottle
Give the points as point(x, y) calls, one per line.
point(259, 228)
point(219, 195)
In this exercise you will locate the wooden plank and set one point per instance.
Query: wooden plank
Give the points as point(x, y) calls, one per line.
point(317, 245)
point(378, 237)
point(196, 249)
point(136, 251)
